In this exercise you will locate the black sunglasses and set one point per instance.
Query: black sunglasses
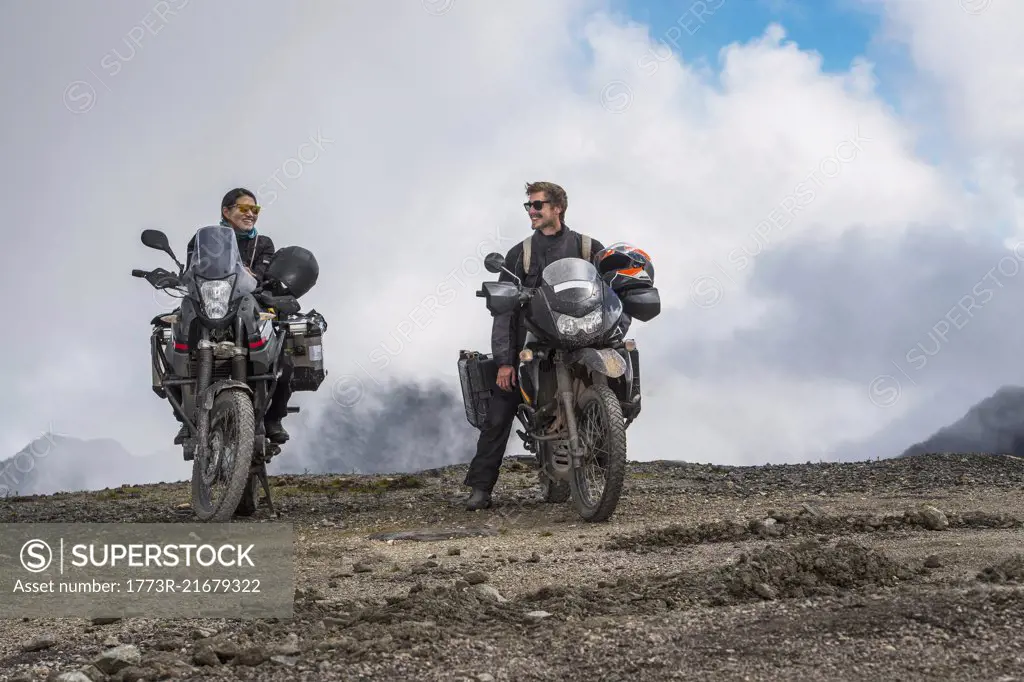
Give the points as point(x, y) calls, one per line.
point(537, 205)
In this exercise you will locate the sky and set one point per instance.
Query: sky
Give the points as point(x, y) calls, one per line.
point(829, 191)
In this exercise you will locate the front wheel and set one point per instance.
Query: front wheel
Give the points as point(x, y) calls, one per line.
point(597, 484)
point(228, 457)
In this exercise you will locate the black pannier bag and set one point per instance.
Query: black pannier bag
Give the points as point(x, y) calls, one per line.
point(477, 374)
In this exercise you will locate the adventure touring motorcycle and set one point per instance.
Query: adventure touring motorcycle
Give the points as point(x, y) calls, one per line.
point(578, 375)
point(217, 360)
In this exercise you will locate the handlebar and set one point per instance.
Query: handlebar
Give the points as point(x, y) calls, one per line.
point(525, 294)
point(287, 303)
point(158, 278)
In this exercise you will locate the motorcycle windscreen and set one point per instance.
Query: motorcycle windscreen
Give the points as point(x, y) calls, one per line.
point(573, 286)
point(216, 256)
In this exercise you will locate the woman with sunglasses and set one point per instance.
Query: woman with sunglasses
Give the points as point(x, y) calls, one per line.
point(239, 211)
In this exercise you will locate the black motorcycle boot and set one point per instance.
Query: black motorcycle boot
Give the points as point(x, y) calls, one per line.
point(478, 499)
point(276, 432)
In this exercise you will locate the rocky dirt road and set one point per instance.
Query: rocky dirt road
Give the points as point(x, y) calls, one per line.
point(906, 569)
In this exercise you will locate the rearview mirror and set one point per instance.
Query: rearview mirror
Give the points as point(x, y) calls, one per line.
point(155, 239)
point(494, 262)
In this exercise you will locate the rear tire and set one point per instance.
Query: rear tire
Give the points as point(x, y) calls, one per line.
point(231, 435)
point(609, 435)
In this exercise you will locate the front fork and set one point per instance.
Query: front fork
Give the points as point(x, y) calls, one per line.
point(568, 398)
point(204, 370)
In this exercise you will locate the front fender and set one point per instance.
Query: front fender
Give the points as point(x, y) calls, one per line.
point(606, 361)
point(206, 399)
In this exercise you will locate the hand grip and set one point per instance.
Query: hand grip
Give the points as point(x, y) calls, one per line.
point(139, 273)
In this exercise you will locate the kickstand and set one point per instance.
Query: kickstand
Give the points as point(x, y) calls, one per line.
point(262, 474)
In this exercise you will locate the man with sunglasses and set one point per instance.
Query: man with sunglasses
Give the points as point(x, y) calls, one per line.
point(239, 211)
point(550, 240)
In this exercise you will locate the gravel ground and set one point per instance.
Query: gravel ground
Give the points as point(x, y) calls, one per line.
point(906, 569)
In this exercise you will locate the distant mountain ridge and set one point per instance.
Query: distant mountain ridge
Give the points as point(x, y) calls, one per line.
point(993, 426)
point(55, 463)
point(405, 427)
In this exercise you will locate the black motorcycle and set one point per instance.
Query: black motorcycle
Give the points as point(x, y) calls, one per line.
point(578, 376)
point(217, 360)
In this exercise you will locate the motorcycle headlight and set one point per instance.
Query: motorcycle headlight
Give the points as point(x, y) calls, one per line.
point(571, 326)
point(216, 295)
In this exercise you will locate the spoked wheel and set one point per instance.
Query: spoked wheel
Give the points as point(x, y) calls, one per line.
point(220, 477)
point(597, 484)
point(551, 489)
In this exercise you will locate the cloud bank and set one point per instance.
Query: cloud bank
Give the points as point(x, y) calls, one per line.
point(808, 233)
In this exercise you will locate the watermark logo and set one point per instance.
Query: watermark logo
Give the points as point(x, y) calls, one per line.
point(16, 471)
point(691, 21)
point(885, 390)
point(707, 291)
point(293, 167)
point(80, 96)
point(975, 7)
point(438, 8)
point(616, 97)
point(348, 390)
point(147, 570)
point(36, 556)
point(167, 297)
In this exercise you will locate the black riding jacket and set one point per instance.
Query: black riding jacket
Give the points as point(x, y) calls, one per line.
point(508, 333)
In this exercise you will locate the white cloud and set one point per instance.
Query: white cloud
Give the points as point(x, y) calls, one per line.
point(436, 123)
point(966, 57)
point(973, 61)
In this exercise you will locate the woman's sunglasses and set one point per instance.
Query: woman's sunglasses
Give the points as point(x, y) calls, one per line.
point(248, 208)
point(536, 205)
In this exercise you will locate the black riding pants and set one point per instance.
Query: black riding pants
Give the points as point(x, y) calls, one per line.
point(278, 409)
point(490, 447)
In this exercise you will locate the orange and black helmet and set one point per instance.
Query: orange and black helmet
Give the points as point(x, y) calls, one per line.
point(625, 267)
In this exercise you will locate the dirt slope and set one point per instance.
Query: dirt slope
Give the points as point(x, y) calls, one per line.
point(906, 569)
